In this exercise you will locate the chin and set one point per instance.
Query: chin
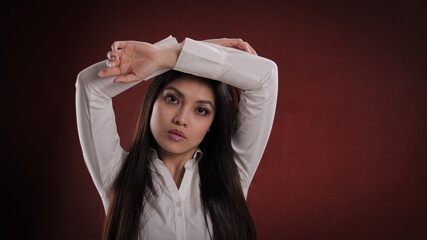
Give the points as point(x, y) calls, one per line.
point(174, 148)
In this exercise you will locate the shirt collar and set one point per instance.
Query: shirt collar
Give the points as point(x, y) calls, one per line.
point(154, 156)
point(198, 154)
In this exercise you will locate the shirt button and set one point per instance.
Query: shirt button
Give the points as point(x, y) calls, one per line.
point(178, 204)
point(180, 214)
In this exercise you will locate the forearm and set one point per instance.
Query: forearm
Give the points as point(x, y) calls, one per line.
point(131, 61)
point(237, 68)
point(97, 129)
point(258, 79)
point(168, 56)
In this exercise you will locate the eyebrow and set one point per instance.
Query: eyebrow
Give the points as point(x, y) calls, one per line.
point(182, 95)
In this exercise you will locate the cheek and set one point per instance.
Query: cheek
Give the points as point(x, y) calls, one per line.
point(202, 127)
point(156, 119)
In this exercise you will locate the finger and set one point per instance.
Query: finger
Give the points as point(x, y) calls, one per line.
point(248, 48)
point(118, 45)
point(111, 64)
point(240, 44)
point(252, 50)
point(109, 72)
point(112, 56)
point(126, 78)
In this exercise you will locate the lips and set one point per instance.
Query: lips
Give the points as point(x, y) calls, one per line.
point(176, 135)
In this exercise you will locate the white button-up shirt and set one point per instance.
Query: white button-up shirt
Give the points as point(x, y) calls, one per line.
point(177, 213)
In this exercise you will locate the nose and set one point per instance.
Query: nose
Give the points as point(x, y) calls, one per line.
point(181, 118)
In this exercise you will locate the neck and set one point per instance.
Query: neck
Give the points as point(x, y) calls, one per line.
point(175, 163)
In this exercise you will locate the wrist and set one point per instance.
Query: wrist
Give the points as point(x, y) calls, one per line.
point(169, 56)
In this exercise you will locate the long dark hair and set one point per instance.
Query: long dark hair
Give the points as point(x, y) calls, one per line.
point(221, 192)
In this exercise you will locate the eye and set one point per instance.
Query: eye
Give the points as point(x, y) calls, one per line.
point(202, 111)
point(171, 99)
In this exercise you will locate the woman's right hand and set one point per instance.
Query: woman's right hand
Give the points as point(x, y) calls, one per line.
point(134, 60)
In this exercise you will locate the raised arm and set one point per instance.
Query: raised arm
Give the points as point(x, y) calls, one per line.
point(226, 60)
point(96, 124)
point(257, 77)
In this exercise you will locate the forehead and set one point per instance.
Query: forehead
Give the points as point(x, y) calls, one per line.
point(193, 87)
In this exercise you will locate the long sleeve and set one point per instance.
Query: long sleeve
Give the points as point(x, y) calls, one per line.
point(96, 124)
point(258, 79)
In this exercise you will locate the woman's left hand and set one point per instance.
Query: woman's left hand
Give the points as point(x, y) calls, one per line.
point(236, 43)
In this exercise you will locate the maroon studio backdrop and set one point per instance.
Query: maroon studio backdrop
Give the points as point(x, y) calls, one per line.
point(347, 155)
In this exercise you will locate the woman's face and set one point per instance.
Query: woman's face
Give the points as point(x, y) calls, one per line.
point(182, 114)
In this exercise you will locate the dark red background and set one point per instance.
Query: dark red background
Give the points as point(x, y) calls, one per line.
point(347, 155)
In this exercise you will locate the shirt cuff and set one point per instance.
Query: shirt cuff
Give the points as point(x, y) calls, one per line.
point(169, 42)
point(200, 59)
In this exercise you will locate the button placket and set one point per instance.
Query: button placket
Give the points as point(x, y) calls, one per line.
point(176, 198)
point(180, 220)
point(178, 209)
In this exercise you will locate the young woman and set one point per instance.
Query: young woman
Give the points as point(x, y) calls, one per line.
point(194, 153)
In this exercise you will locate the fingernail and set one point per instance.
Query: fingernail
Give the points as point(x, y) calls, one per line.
point(110, 64)
point(111, 56)
point(114, 46)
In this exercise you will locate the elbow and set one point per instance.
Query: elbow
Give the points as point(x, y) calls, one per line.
point(82, 79)
point(271, 79)
point(274, 73)
point(272, 65)
point(274, 70)
point(89, 75)
point(271, 83)
point(79, 81)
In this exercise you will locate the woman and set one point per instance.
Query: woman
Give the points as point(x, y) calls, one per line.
point(193, 157)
